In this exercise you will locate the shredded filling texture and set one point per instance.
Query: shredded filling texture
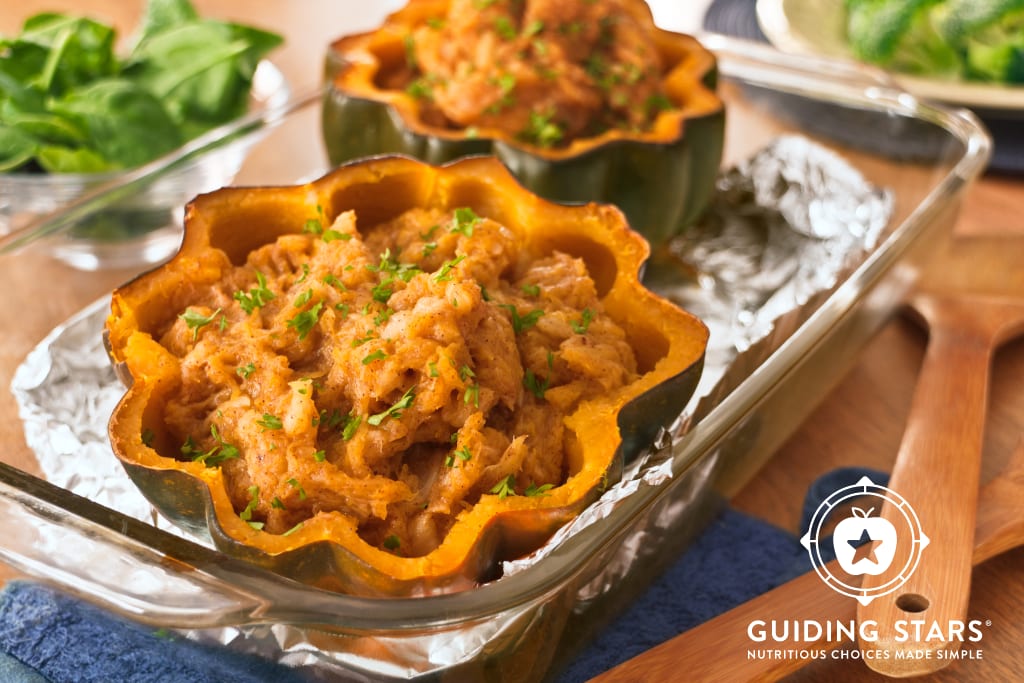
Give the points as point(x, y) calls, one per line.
point(394, 376)
point(546, 71)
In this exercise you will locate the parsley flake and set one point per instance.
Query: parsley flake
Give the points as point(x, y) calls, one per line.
point(464, 220)
point(195, 321)
point(269, 421)
point(351, 425)
point(521, 323)
point(394, 411)
point(506, 487)
point(444, 273)
point(379, 354)
point(294, 483)
point(533, 490)
point(250, 507)
point(586, 316)
point(307, 320)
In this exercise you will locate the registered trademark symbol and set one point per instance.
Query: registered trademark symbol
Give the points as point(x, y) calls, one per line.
point(988, 622)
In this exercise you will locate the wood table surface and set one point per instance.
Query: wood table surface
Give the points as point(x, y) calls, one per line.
point(859, 423)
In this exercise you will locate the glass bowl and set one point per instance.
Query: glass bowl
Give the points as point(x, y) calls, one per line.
point(134, 228)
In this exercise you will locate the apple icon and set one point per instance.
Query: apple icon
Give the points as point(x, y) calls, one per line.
point(864, 544)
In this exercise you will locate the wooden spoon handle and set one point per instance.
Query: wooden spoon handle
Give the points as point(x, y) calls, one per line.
point(937, 471)
point(717, 649)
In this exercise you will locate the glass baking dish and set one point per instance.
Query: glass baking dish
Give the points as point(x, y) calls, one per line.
point(516, 628)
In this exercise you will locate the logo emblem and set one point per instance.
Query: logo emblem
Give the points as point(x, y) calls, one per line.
point(863, 543)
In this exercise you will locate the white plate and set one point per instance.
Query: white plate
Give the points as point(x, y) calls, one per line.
point(817, 27)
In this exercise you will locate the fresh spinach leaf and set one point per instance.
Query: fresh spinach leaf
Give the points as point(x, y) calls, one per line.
point(124, 123)
point(161, 15)
point(56, 159)
point(16, 148)
point(70, 104)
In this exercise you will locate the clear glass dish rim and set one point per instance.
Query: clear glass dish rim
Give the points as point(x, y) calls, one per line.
point(283, 600)
point(97, 191)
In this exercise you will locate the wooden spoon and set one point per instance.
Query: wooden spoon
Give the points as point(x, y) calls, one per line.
point(717, 649)
point(968, 313)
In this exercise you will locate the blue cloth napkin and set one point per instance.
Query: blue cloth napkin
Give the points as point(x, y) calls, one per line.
point(49, 637)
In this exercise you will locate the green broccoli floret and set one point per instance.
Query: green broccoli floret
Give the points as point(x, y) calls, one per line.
point(901, 35)
point(989, 34)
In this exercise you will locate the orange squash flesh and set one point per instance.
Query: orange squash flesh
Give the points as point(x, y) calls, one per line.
point(222, 227)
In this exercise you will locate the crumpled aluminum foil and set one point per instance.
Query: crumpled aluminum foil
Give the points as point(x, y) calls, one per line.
point(784, 225)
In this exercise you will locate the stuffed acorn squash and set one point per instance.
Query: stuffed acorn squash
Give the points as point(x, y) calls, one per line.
point(389, 379)
point(583, 100)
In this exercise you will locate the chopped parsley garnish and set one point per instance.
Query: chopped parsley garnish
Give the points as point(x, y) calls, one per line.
point(464, 220)
point(531, 289)
point(383, 291)
point(351, 425)
point(390, 264)
point(359, 341)
point(392, 543)
point(294, 483)
point(307, 320)
point(195, 321)
point(269, 421)
point(244, 371)
point(394, 411)
point(505, 28)
point(379, 354)
point(533, 490)
point(656, 103)
point(277, 504)
point(303, 299)
point(293, 529)
point(330, 235)
point(420, 89)
point(444, 273)
point(541, 130)
point(533, 28)
point(332, 280)
point(254, 500)
point(313, 226)
point(464, 454)
point(257, 297)
point(523, 322)
point(506, 487)
point(221, 451)
point(585, 317)
point(535, 385)
point(505, 83)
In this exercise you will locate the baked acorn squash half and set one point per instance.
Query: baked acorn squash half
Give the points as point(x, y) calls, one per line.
point(386, 381)
point(592, 103)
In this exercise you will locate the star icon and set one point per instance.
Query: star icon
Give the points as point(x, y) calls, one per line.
point(865, 546)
